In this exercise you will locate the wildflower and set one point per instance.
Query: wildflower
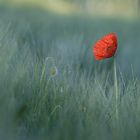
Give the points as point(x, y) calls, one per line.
point(53, 71)
point(105, 47)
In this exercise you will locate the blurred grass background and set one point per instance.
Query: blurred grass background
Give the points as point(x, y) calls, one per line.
point(127, 8)
point(50, 85)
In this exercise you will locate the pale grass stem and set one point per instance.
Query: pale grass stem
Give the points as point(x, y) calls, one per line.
point(116, 88)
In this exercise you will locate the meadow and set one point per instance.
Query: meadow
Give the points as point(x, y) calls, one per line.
point(51, 87)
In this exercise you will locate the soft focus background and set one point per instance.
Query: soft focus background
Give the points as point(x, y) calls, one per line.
point(125, 8)
point(51, 87)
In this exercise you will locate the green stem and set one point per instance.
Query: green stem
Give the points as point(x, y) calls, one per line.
point(116, 88)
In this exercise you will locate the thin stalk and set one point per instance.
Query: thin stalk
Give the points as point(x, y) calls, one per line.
point(116, 88)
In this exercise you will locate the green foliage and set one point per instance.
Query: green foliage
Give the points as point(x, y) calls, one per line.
point(78, 101)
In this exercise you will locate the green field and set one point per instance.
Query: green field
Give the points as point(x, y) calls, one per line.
point(51, 87)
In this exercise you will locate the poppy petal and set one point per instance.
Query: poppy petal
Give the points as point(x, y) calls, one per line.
point(105, 47)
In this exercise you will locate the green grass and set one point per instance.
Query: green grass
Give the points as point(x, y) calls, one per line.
point(52, 89)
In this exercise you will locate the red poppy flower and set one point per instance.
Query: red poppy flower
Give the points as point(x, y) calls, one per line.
point(105, 47)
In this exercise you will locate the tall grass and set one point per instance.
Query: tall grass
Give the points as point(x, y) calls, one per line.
point(51, 87)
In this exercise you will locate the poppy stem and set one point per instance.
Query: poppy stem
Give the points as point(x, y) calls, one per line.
point(116, 88)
